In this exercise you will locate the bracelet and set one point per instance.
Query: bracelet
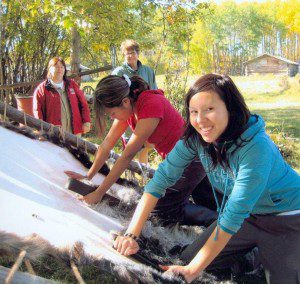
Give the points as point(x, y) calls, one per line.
point(130, 235)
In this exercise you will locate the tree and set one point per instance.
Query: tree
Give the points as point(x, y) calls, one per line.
point(30, 38)
point(230, 34)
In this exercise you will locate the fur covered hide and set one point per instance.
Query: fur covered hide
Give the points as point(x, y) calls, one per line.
point(38, 214)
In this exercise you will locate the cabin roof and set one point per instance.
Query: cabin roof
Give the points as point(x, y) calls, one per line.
point(277, 57)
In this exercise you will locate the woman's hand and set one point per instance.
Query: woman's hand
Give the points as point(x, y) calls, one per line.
point(126, 245)
point(203, 258)
point(74, 175)
point(93, 197)
point(86, 127)
point(187, 272)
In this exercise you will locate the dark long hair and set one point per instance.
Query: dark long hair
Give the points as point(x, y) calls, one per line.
point(238, 111)
point(111, 91)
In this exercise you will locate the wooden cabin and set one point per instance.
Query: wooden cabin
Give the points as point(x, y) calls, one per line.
point(267, 63)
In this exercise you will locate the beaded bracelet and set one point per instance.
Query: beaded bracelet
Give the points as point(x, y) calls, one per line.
point(130, 235)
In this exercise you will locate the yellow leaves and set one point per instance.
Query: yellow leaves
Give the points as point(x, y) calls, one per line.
point(288, 12)
point(170, 20)
point(100, 47)
point(67, 22)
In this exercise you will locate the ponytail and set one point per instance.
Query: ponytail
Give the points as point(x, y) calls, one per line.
point(110, 92)
point(138, 85)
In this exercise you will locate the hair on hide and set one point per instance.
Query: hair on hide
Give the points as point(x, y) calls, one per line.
point(37, 247)
point(157, 241)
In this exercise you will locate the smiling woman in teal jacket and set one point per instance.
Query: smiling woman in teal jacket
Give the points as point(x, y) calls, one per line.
point(261, 204)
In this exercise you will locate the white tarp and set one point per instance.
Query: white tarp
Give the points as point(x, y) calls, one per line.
point(33, 198)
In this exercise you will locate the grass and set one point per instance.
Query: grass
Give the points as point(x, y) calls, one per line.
point(54, 269)
point(276, 98)
point(280, 109)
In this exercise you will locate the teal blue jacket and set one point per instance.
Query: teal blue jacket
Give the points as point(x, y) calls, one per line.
point(259, 182)
point(143, 71)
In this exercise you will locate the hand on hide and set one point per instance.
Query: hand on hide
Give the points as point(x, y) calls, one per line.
point(74, 175)
point(126, 245)
point(185, 271)
point(92, 198)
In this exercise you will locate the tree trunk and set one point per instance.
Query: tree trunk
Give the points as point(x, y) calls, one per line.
point(113, 56)
point(75, 55)
point(164, 36)
point(297, 55)
point(1, 52)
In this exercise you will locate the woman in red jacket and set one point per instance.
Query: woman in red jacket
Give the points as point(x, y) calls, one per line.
point(59, 101)
point(153, 119)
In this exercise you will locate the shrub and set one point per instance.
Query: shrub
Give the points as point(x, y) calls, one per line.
point(285, 145)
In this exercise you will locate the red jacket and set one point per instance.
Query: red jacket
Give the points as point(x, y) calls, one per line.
point(46, 105)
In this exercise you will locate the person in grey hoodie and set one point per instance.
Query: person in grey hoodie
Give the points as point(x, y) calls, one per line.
point(261, 204)
point(132, 66)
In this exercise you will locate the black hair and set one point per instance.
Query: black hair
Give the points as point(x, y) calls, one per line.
point(238, 111)
point(111, 91)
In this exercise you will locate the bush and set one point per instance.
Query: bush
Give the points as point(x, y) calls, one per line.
point(175, 89)
point(285, 145)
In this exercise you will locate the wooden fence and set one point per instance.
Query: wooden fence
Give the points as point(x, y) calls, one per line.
point(15, 115)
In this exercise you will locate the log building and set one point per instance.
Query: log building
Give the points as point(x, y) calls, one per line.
point(267, 63)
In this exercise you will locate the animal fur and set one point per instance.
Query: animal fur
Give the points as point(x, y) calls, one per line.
point(158, 240)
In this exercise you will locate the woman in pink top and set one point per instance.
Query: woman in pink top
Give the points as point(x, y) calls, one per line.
point(153, 119)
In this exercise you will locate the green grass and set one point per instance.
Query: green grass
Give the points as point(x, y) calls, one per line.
point(280, 109)
point(276, 98)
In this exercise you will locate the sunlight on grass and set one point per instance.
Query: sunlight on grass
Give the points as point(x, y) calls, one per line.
point(276, 98)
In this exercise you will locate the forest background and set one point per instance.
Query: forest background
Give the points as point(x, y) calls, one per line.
point(175, 36)
point(179, 39)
